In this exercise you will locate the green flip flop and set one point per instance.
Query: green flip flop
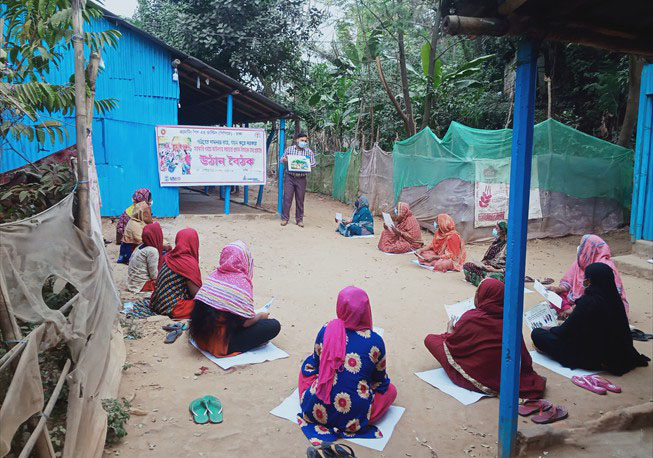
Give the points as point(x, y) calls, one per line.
point(199, 411)
point(213, 408)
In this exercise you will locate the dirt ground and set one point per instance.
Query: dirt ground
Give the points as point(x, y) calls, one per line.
point(305, 269)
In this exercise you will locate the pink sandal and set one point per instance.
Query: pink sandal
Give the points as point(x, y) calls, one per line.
point(532, 406)
point(599, 381)
point(587, 383)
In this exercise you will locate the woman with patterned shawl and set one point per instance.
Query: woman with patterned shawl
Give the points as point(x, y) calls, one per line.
point(178, 281)
point(592, 249)
point(493, 264)
point(470, 351)
point(223, 321)
point(405, 236)
point(141, 195)
point(447, 250)
point(343, 385)
point(362, 221)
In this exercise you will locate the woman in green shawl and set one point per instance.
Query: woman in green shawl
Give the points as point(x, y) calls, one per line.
point(493, 264)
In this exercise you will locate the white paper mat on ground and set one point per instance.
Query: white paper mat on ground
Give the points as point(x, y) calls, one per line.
point(370, 236)
point(397, 254)
point(290, 407)
point(545, 361)
point(267, 352)
point(439, 379)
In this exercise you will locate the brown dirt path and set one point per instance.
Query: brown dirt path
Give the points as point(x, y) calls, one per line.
point(305, 269)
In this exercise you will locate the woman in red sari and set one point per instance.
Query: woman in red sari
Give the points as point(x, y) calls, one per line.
point(405, 236)
point(447, 251)
point(470, 351)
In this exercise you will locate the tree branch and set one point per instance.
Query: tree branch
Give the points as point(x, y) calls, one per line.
point(394, 101)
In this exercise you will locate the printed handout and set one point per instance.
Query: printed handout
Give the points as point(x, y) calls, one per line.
point(548, 295)
point(266, 307)
point(455, 311)
point(388, 220)
point(339, 217)
point(540, 315)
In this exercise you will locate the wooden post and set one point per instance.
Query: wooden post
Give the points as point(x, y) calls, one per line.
point(520, 183)
point(91, 75)
point(11, 331)
point(84, 214)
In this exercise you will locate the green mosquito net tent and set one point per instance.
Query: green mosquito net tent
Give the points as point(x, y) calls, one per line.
point(580, 184)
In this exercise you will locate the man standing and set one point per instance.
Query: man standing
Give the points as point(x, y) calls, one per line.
point(295, 182)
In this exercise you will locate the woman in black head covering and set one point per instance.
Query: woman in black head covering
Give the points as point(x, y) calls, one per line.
point(596, 336)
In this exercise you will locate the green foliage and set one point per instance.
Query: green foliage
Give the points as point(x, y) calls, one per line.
point(57, 292)
point(256, 41)
point(35, 36)
point(29, 192)
point(117, 417)
point(131, 328)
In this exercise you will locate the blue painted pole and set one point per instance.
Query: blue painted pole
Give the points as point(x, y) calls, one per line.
point(520, 183)
point(282, 144)
point(230, 123)
point(246, 188)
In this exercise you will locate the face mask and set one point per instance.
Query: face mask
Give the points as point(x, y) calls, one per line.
point(151, 202)
point(395, 211)
point(495, 233)
point(302, 144)
point(435, 226)
point(578, 251)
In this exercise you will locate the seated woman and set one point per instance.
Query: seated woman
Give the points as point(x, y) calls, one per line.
point(178, 281)
point(343, 385)
point(141, 195)
point(362, 222)
point(405, 236)
point(223, 321)
point(146, 260)
point(592, 249)
point(493, 264)
point(447, 250)
point(596, 335)
point(133, 235)
point(470, 351)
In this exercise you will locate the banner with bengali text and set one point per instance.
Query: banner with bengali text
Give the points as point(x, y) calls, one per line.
point(210, 156)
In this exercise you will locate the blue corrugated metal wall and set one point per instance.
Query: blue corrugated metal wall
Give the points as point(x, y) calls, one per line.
point(139, 74)
point(641, 220)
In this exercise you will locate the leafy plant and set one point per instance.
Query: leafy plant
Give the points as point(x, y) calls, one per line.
point(117, 417)
point(131, 328)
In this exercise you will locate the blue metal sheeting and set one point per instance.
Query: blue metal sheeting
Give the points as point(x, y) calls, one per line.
point(138, 73)
point(641, 217)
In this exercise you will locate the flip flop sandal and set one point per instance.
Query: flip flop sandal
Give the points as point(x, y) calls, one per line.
point(604, 383)
point(547, 280)
point(528, 279)
point(530, 407)
point(554, 414)
point(213, 408)
point(640, 335)
point(198, 411)
point(312, 452)
point(341, 450)
point(587, 383)
point(172, 336)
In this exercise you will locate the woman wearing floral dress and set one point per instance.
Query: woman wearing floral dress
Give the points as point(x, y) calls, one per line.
point(343, 385)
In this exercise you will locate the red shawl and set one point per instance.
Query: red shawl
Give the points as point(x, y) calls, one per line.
point(153, 236)
point(447, 243)
point(184, 258)
point(411, 238)
point(474, 347)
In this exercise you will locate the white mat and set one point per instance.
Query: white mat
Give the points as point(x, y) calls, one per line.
point(267, 352)
point(370, 236)
point(290, 407)
point(439, 379)
point(397, 254)
point(416, 262)
point(545, 361)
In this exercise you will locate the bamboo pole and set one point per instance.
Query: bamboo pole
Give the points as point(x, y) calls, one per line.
point(41, 426)
point(84, 213)
point(11, 331)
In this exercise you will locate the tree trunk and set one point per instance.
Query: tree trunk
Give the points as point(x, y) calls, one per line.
point(428, 100)
point(635, 66)
point(394, 101)
point(410, 128)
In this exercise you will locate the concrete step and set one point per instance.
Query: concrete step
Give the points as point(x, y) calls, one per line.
point(632, 264)
point(643, 249)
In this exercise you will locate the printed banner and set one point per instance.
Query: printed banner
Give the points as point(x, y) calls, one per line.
point(208, 156)
point(491, 196)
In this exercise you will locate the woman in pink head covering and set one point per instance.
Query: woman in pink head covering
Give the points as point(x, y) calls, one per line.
point(343, 385)
point(223, 321)
point(592, 249)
